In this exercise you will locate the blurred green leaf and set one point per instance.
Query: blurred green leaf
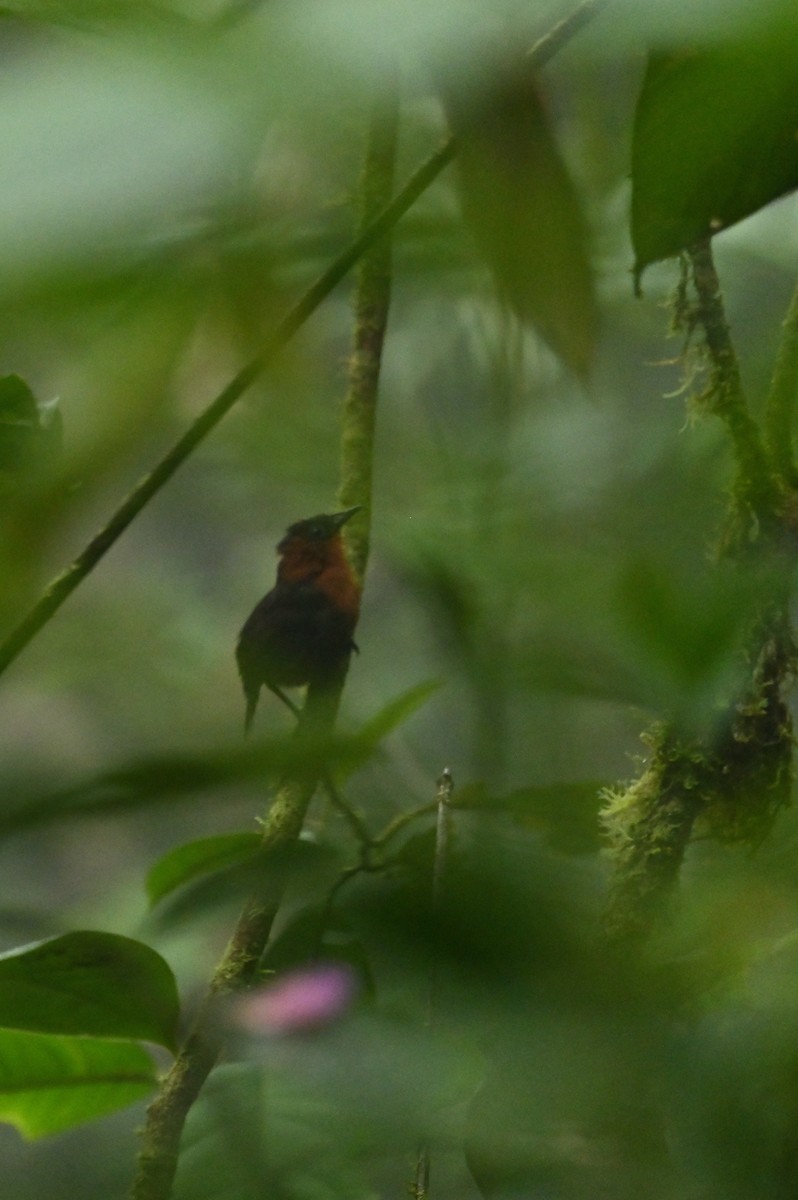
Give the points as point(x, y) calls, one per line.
point(197, 858)
point(394, 714)
point(714, 139)
point(299, 941)
point(29, 432)
point(565, 814)
point(19, 423)
point(49, 1084)
point(692, 625)
point(524, 210)
point(318, 931)
point(307, 864)
point(172, 777)
point(247, 1137)
point(108, 134)
point(93, 984)
point(314, 1116)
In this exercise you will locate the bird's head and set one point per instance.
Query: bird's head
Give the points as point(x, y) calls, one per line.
point(314, 531)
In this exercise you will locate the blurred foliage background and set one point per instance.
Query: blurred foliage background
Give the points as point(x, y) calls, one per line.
point(174, 174)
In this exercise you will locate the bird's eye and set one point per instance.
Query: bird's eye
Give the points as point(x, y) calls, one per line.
point(316, 531)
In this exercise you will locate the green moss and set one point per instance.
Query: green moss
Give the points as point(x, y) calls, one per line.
point(730, 786)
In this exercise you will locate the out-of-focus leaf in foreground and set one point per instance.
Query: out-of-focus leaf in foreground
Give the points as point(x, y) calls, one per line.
point(714, 139)
point(29, 432)
point(524, 212)
point(565, 814)
point(91, 984)
point(99, 138)
point(173, 777)
point(167, 777)
point(49, 1084)
point(396, 712)
point(193, 859)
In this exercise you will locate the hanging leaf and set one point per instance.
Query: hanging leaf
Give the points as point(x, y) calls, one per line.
point(714, 140)
point(524, 211)
point(49, 1084)
point(19, 424)
point(92, 984)
point(394, 714)
point(194, 859)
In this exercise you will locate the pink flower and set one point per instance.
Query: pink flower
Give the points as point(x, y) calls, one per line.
point(300, 1000)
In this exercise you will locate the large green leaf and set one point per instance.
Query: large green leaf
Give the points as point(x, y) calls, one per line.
point(48, 1083)
point(524, 211)
point(714, 140)
point(96, 984)
point(193, 859)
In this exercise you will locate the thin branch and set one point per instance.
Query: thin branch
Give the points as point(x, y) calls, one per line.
point(756, 486)
point(371, 318)
point(780, 405)
point(64, 584)
point(399, 823)
point(356, 823)
point(443, 805)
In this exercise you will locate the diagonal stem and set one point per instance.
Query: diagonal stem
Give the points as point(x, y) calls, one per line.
point(378, 226)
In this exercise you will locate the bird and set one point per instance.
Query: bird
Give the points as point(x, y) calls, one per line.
point(301, 632)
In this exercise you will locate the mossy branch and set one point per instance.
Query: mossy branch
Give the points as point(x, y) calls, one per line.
point(780, 405)
point(756, 486)
point(372, 303)
point(735, 779)
point(166, 1115)
point(648, 827)
point(731, 785)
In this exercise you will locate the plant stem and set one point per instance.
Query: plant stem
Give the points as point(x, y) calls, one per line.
point(755, 486)
point(166, 1115)
point(648, 826)
point(419, 1188)
point(780, 405)
point(372, 302)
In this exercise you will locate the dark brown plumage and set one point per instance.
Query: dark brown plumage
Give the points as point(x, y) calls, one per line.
point(301, 631)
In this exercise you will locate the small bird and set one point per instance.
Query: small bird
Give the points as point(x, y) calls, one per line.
point(301, 631)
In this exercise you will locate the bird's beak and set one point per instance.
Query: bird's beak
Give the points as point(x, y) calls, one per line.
point(342, 517)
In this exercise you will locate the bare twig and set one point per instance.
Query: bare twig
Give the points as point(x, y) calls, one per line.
point(443, 801)
point(401, 822)
point(443, 796)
